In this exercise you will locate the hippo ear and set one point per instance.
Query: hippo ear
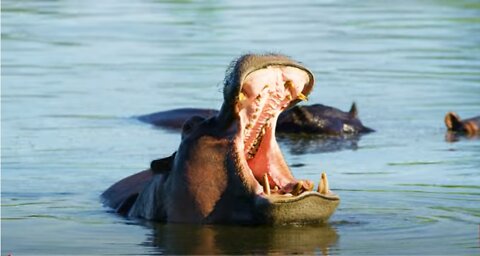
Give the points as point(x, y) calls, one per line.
point(162, 165)
point(353, 111)
point(453, 121)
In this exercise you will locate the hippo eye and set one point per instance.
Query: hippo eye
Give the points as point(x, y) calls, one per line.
point(191, 124)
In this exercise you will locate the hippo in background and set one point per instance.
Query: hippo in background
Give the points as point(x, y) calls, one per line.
point(229, 167)
point(457, 127)
point(322, 120)
point(316, 119)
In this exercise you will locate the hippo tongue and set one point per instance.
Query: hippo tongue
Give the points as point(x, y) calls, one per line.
point(265, 93)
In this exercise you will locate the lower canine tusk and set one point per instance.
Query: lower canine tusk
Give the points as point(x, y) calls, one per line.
point(266, 184)
point(323, 185)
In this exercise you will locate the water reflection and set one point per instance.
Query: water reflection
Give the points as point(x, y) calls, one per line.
point(451, 136)
point(299, 145)
point(196, 239)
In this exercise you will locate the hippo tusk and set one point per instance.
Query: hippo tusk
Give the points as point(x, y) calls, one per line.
point(323, 185)
point(266, 184)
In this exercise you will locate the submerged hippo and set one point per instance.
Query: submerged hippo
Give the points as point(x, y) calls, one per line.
point(229, 167)
point(469, 126)
point(313, 119)
point(321, 119)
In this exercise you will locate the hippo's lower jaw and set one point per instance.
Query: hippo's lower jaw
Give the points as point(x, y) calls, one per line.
point(308, 207)
point(280, 197)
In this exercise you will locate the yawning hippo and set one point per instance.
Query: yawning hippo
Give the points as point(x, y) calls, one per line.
point(229, 168)
point(314, 119)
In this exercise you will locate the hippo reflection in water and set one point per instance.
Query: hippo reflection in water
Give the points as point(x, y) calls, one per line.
point(229, 168)
point(314, 119)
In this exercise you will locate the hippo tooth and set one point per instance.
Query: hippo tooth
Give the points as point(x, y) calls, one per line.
point(302, 96)
point(262, 132)
point(323, 185)
point(267, 124)
point(310, 188)
point(288, 84)
point(297, 189)
point(241, 96)
point(275, 189)
point(266, 184)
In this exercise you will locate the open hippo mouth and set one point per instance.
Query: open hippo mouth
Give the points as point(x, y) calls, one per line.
point(261, 95)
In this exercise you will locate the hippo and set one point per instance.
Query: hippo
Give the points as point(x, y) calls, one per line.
point(229, 168)
point(458, 128)
point(316, 119)
point(470, 126)
point(321, 119)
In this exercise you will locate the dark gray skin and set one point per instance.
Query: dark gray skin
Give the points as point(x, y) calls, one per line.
point(314, 119)
point(208, 179)
point(322, 120)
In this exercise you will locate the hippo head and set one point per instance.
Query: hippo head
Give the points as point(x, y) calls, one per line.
point(454, 123)
point(229, 168)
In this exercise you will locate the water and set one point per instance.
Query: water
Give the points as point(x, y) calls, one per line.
point(74, 72)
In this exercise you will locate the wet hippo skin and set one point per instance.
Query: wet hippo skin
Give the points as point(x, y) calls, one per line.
point(315, 119)
point(229, 167)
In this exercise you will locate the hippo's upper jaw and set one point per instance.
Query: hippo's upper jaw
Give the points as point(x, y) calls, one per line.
point(264, 93)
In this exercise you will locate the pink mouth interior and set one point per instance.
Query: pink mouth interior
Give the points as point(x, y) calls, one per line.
point(264, 95)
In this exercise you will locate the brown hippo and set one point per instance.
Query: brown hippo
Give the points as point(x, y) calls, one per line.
point(315, 119)
point(229, 167)
point(469, 126)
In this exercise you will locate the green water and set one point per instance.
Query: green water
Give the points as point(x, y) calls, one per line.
point(75, 72)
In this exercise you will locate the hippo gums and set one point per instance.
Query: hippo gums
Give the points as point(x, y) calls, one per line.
point(229, 167)
point(470, 126)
